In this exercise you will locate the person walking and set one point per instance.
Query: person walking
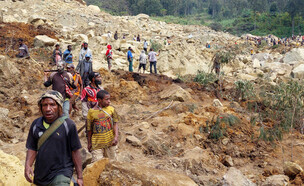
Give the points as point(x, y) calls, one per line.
point(142, 61)
point(109, 56)
point(85, 51)
point(102, 128)
point(152, 59)
point(146, 46)
point(61, 81)
point(57, 54)
point(53, 144)
point(85, 67)
point(130, 59)
point(78, 83)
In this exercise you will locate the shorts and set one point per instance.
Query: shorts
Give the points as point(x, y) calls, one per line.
point(109, 152)
point(142, 65)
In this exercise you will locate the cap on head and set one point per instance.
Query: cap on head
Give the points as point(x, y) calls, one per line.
point(88, 55)
point(53, 94)
point(70, 65)
point(60, 65)
point(93, 75)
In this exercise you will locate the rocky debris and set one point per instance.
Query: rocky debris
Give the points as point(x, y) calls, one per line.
point(276, 180)
point(217, 103)
point(12, 171)
point(291, 169)
point(298, 72)
point(92, 172)
point(7, 69)
point(3, 113)
point(44, 41)
point(227, 161)
point(131, 174)
point(176, 93)
point(94, 8)
point(86, 157)
point(294, 56)
point(134, 141)
point(234, 177)
point(80, 38)
point(142, 17)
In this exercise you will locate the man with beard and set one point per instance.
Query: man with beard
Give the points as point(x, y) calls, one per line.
point(61, 81)
point(84, 51)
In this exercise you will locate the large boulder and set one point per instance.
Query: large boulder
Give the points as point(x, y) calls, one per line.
point(279, 68)
point(292, 169)
point(175, 93)
point(143, 17)
point(117, 173)
point(80, 38)
point(94, 8)
point(298, 72)
point(234, 177)
point(44, 41)
point(8, 70)
point(3, 113)
point(276, 180)
point(294, 56)
point(12, 171)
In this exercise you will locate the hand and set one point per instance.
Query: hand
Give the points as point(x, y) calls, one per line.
point(89, 147)
point(80, 181)
point(46, 73)
point(28, 174)
point(115, 141)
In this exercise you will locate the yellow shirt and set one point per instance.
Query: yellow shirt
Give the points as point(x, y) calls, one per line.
point(100, 124)
point(46, 125)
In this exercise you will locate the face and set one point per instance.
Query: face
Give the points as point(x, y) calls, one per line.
point(70, 48)
point(106, 101)
point(60, 66)
point(97, 80)
point(87, 58)
point(49, 109)
point(85, 46)
point(57, 47)
point(70, 69)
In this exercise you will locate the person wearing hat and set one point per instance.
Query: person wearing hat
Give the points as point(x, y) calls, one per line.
point(53, 144)
point(78, 83)
point(85, 67)
point(61, 81)
point(84, 51)
point(130, 59)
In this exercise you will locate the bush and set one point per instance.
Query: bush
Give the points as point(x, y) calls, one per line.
point(244, 90)
point(216, 26)
point(221, 125)
point(155, 46)
point(205, 78)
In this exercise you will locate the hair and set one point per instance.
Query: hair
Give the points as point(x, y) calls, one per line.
point(92, 75)
point(57, 45)
point(101, 94)
point(151, 49)
point(60, 111)
point(20, 39)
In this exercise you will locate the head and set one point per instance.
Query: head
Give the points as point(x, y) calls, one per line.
point(20, 41)
point(57, 46)
point(60, 66)
point(103, 98)
point(151, 49)
point(87, 57)
point(71, 68)
point(130, 48)
point(50, 104)
point(109, 47)
point(142, 51)
point(85, 45)
point(95, 78)
point(70, 47)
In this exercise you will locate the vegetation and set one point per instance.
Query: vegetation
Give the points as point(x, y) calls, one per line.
point(259, 17)
point(205, 78)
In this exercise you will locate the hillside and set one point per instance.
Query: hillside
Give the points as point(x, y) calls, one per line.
point(174, 128)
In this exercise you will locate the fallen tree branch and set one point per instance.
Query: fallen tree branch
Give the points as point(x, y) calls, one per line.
point(159, 111)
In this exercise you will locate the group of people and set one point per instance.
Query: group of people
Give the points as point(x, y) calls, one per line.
point(272, 41)
point(53, 142)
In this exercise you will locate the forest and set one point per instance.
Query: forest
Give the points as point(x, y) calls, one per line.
point(261, 17)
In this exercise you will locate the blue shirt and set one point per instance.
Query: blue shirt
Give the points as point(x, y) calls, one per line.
point(68, 56)
point(130, 56)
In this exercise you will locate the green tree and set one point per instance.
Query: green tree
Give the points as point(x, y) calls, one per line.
point(294, 8)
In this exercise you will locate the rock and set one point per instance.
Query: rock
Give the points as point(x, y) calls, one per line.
point(133, 174)
point(143, 17)
point(12, 171)
point(217, 103)
point(90, 34)
point(294, 56)
point(44, 41)
point(145, 125)
point(8, 69)
point(134, 141)
point(94, 8)
point(80, 38)
point(256, 63)
point(298, 72)
point(279, 68)
point(9, 19)
point(234, 177)
point(246, 77)
point(86, 157)
point(292, 169)
point(276, 180)
point(92, 172)
point(175, 93)
point(225, 141)
point(227, 161)
point(3, 113)
point(35, 18)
